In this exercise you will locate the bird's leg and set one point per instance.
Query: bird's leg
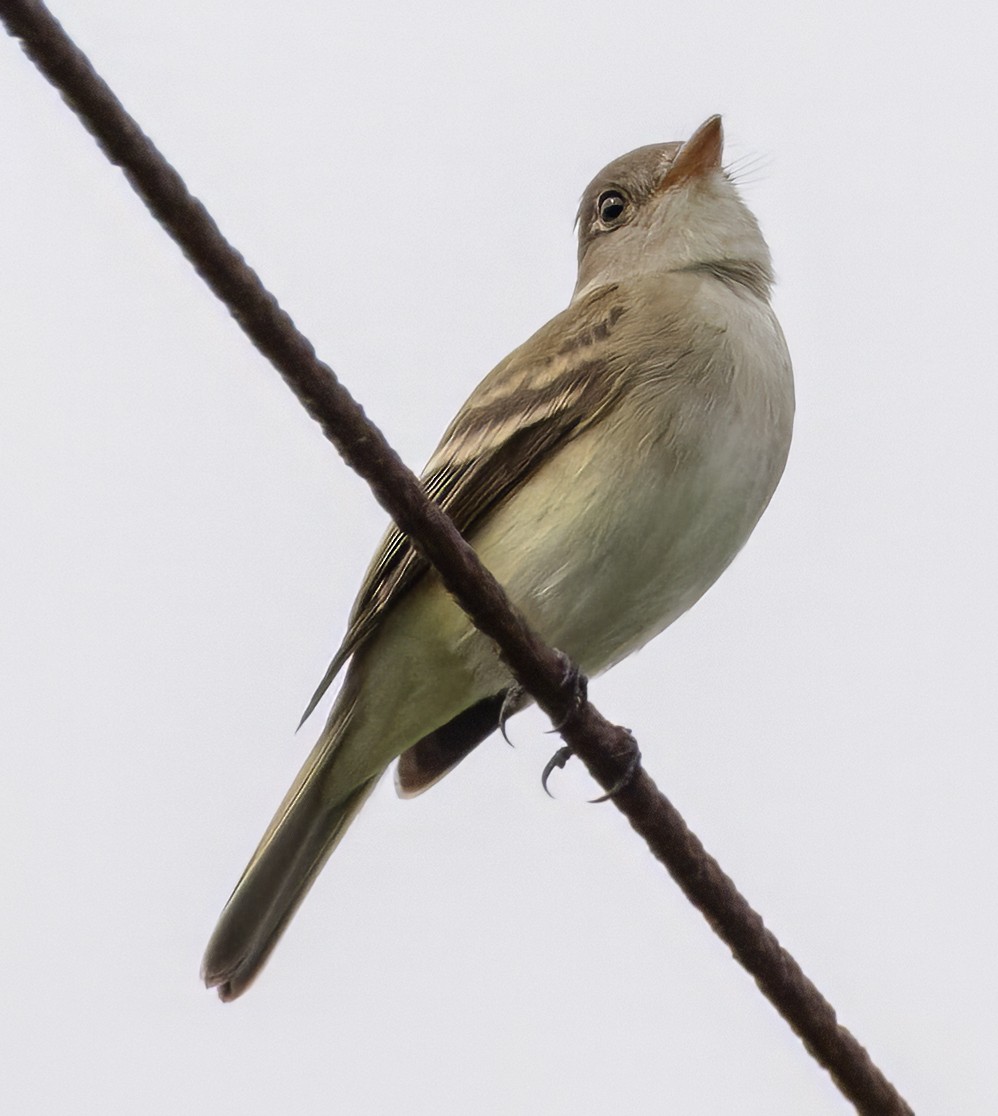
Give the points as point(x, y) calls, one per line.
point(580, 688)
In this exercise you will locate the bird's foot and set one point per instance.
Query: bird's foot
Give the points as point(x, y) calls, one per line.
point(633, 764)
point(563, 755)
point(580, 689)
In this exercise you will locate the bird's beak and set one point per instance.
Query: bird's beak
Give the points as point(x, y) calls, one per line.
point(699, 155)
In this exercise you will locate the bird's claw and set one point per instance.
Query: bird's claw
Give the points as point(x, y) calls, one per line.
point(559, 759)
point(564, 754)
point(510, 705)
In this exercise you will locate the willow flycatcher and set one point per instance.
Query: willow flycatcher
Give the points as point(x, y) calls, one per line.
point(606, 472)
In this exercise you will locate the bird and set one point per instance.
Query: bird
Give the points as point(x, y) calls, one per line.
point(606, 472)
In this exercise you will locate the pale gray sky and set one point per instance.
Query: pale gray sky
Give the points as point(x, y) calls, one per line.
point(180, 548)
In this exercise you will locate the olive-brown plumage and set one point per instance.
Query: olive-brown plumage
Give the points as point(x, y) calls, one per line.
point(607, 471)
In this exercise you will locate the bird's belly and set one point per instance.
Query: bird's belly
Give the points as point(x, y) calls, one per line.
point(616, 537)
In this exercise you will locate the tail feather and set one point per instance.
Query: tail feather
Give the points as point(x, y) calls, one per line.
point(275, 882)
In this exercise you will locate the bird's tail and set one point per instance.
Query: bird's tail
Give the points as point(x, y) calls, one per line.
point(276, 880)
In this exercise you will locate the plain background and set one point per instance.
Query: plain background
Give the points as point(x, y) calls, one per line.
point(180, 547)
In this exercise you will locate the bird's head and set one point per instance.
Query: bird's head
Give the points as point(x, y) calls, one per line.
point(668, 207)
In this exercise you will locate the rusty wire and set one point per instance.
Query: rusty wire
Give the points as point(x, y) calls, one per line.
point(605, 749)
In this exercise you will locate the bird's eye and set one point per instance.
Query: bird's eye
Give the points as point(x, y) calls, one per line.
point(611, 206)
